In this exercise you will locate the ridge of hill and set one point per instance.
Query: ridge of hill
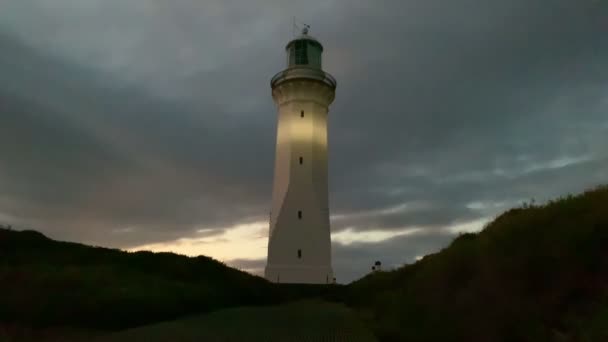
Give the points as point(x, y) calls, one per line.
point(44, 282)
point(536, 273)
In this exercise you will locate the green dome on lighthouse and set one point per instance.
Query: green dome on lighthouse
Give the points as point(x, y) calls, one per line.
point(304, 50)
point(303, 62)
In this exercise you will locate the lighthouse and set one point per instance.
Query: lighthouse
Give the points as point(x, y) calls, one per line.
point(299, 243)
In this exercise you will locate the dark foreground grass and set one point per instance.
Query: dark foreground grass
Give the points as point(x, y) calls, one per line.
point(300, 321)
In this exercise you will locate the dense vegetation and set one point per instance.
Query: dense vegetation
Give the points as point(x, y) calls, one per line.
point(537, 273)
point(45, 282)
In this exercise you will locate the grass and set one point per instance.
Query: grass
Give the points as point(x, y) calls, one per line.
point(299, 321)
point(536, 273)
point(46, 283)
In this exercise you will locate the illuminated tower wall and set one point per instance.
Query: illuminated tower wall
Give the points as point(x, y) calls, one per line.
point(299, 246)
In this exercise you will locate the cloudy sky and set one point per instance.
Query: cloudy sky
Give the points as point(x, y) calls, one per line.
point(148, 124)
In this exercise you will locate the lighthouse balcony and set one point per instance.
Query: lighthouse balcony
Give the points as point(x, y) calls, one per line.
point(303, 72)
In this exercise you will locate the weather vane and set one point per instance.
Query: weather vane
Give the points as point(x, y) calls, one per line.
point(304, 29)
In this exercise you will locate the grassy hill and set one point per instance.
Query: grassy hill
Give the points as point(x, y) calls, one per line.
point(47, 283)
point(536, 273)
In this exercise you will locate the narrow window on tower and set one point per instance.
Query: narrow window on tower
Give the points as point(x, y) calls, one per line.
point(300, 214)
point(301, 52)
point(301, 160)
point(302, 114)
point(299, 254)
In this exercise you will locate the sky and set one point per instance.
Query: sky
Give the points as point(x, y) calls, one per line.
point(149, 124)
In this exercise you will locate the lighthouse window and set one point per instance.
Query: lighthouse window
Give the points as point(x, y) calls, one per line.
point(301, 160)
point(299, 254)
point(301, 52)
point(300, 214)
point(302, 114)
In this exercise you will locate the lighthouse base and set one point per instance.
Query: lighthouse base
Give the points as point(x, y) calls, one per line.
point(297, 274)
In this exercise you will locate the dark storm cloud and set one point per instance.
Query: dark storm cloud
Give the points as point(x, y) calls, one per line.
point(124, 123)
point(463, 98)
point(82, 159)
point(438, 202)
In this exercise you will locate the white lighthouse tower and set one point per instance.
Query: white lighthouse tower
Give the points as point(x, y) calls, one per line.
point(299, 246)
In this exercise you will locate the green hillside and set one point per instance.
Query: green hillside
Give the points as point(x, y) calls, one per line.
point(537, 273)
point(45, 283)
